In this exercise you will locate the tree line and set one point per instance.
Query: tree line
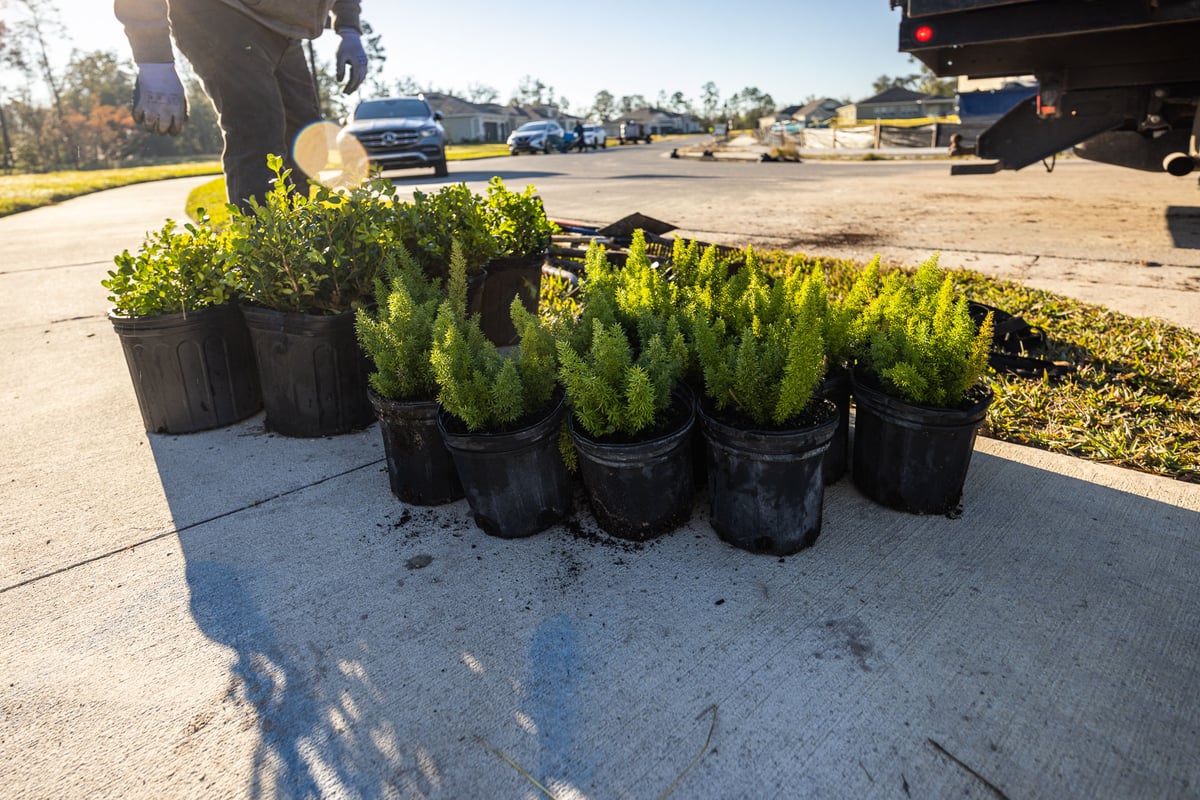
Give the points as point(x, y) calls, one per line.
point(78, 116)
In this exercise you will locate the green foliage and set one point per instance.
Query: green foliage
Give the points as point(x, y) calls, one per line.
point(486, 390)
point(846, 334)
point(430, 225)
point(611, 391)
point(174, 271)
point(518, 220)
point(22, 192)
point(762, 353)
point(624, 353)
point(398, 336)
point(923, 345)
point(318, 255)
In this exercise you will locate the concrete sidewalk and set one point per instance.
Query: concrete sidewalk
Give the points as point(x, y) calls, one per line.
point(238, 614)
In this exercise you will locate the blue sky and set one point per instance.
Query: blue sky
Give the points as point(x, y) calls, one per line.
point(789, 50)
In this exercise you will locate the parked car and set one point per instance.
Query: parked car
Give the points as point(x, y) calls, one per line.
point(398, 133)
point(595, 136)
point(633, 131)
point(544, 135)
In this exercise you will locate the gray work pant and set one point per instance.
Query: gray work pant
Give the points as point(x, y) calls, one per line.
point(259, 83)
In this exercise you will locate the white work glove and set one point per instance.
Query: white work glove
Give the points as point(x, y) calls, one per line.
point(159, 101)
point(350, 53)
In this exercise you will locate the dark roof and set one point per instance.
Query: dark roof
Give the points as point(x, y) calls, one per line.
point(817, 105)
point(894, 95)
point(452, 106)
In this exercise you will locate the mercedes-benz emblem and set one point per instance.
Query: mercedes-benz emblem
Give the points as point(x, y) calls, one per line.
point(390, 138)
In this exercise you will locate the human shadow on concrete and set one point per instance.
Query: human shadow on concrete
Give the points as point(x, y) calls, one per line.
point(1184, 224)
point(382, 649)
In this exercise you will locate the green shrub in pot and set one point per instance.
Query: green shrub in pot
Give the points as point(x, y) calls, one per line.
point(312, 255)
point(766, 430)
point(185, 343)
point(518, 221)
point(919, 392)
point(483, 388)
point(621, 363)
point(431, 224)
point(174, 271)
point(398, 338)
point(305, 264)
point(501, 416)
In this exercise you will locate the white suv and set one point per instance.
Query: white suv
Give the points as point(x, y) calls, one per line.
point(595, 136)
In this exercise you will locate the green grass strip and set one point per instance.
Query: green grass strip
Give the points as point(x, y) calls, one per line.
point(28, 191)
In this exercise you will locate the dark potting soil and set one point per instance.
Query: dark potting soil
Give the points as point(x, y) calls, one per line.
point(814, 414)
point(456, 426)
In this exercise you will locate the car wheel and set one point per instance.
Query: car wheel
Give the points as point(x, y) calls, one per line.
point(512, 152)
point(439, 169)
point(546, 147)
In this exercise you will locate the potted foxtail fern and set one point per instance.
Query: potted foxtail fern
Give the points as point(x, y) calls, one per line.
point(398, 338)
point(919, 393)
point(500, 416)
point(762, 358)
point(621, 364)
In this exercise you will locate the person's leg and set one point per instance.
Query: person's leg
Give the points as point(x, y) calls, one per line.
point(237, 59)
point(300, 103)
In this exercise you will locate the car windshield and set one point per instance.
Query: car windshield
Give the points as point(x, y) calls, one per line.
point(530, 127)
point(390, 109)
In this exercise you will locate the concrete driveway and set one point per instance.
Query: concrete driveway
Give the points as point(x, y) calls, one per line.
point(237, 614)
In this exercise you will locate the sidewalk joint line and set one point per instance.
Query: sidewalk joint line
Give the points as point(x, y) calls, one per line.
point(187, 527)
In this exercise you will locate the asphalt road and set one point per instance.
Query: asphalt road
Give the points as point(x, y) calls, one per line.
point(1125, 239)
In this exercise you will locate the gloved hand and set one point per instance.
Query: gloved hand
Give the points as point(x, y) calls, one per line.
point(159, 101)
point(350, 53)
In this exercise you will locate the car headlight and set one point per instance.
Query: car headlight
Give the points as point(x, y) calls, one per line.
point(427, 132)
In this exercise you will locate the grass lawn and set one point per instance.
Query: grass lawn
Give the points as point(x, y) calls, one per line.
point(28, 191)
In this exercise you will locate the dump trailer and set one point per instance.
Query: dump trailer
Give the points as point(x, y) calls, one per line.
point(1118, 80)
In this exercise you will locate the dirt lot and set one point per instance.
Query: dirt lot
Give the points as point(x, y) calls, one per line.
point(1121, 238)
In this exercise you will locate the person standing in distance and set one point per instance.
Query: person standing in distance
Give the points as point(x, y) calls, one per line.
point(248, 54)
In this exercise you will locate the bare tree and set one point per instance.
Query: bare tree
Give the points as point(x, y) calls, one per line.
point(40, 25)
point(479, 93)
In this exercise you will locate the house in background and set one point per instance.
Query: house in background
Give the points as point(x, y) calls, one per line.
point(896, 103)
point(465, 121)
point(657, 121)
point(982, 102)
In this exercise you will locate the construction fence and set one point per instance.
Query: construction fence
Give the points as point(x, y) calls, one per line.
point(873, 135)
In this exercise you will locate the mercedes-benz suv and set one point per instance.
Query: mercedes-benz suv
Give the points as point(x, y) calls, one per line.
point(399, 132)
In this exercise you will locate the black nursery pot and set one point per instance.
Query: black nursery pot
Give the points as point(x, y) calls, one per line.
point(909, 457)
point(420, 468)
point(513, 276)
point(641, 489)
point(313, 373)
point(515, 482)
point(190, 373)
point(836, 389)
point(766, 488)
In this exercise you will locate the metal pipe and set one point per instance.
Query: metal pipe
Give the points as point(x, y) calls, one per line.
point(1179, 164)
